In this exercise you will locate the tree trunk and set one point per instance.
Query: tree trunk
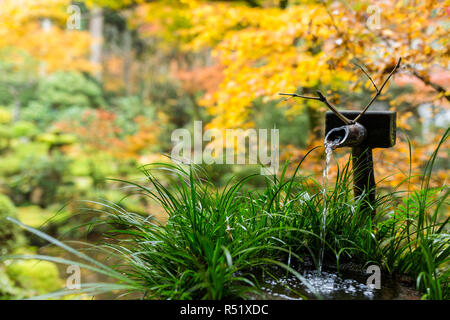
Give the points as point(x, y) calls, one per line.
point(127, 47)
point(96, 32)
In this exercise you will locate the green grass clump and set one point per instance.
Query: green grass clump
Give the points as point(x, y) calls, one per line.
point(217, 242)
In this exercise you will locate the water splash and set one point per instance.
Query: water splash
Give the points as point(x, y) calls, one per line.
point(349, 283)
point(328, 284)
point(329, 147)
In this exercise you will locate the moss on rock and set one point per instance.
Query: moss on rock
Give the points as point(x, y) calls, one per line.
point(11, 236)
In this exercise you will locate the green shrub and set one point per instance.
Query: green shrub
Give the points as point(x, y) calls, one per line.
point(28, 278)
point(24, 129)
point(61, 90)
point(39, 113)
point(127, 109)
point(7, 288)
point(35, 277)
point(9, 164)
point(40, 179)
point(10, 234)
point(5, 115)
point(5, 137)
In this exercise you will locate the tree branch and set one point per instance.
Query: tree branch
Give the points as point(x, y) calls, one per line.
point(378, 91)
point(435, 86)
point(321, 98)
point(370, 78)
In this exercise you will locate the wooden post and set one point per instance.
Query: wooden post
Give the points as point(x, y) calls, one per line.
point(363, 176)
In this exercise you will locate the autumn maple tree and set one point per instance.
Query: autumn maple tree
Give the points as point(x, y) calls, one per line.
point(301, 46)
point(229, 54)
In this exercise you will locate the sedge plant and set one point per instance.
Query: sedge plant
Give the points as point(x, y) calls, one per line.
point(220, 243)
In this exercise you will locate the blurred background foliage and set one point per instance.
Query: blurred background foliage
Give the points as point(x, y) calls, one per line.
point(79, 105)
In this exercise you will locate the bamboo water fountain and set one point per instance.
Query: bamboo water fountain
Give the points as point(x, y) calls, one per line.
point(361, 131)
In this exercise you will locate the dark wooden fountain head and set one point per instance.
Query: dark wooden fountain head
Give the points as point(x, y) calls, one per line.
point(380, 126)
point(380, 132)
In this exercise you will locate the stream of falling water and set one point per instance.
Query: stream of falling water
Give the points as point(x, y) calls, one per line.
point(329, 147)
